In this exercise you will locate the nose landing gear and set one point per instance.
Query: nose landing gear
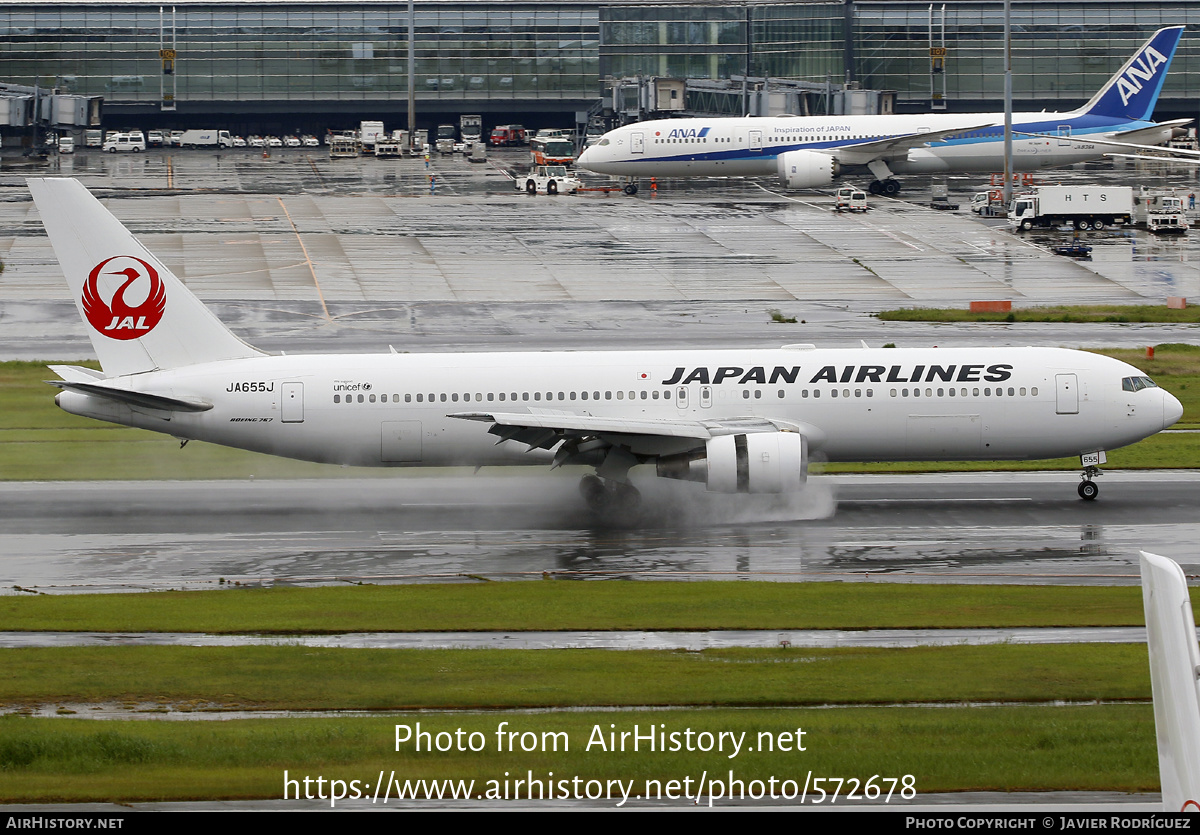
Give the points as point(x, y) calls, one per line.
point(1088, 491)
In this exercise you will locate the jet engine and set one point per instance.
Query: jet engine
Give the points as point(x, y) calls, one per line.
point(806, 169)
point(756, 462)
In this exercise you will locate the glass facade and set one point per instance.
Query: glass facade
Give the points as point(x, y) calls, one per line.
point(468, 50)
point(800, 41)
point(297, 52)
point(1061, 50)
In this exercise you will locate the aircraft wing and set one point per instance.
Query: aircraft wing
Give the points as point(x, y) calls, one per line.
point(640, 436)
point(896, 146)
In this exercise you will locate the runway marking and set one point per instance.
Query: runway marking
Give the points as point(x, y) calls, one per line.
point(307, 260)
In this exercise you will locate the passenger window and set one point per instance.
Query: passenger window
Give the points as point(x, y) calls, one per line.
point(337, 398)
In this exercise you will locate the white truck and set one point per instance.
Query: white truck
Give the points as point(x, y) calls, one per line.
point(368, 134)
point(470, 129)
point(205, 139)
point(1160, 211)
point(445, 139)
point(1084, 207)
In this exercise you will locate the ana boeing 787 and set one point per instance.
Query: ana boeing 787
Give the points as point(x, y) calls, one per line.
point(738, 421)
point(812, 151)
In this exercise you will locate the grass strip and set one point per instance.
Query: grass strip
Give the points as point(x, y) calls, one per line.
point(306, 678)
point(551, 605)
point(1120, 313)
point(1101, 747)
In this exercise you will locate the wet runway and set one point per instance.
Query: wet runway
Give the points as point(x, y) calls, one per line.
point(439, 527)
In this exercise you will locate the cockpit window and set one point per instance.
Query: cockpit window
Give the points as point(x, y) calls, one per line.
point(1137, 383)
point(603, 141)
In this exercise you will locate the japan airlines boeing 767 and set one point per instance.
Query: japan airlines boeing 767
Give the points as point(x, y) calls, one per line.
point(740, 421)
point(811, 151)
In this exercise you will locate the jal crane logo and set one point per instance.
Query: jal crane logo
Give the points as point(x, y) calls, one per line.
point(118, 318)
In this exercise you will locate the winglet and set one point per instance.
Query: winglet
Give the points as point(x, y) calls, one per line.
point(1133, 91)
point(1174, 662)
point(138, 314)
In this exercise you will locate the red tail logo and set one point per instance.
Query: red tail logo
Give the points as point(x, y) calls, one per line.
point(118, 319)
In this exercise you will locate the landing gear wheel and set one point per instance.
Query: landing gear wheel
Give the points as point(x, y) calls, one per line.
point(631, 189)
point(1088, 491)
point(530, 188)
point(552, 187)
point(891, 188)
point(615, 502)
point(876, 187)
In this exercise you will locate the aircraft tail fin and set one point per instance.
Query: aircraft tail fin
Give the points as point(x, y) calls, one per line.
point(138, 314)
point(1132, 93)
point(1174, 666)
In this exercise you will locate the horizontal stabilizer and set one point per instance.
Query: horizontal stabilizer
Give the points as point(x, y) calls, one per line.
point(142, 399)
point(1174, 662)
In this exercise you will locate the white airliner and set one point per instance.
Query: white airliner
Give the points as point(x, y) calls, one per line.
point(811, 151)
point(736, 420)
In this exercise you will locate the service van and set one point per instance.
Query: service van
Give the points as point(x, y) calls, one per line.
point(133, 141)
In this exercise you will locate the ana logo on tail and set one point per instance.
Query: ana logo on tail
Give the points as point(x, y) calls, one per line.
point(1143, 69)
point(119, 319)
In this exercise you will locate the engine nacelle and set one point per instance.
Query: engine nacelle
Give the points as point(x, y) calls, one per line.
point(759, 462)
point(806, 169)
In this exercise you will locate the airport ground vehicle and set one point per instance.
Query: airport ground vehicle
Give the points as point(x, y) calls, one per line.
point(387, 147)
point(736, 420)
point(1084, 207)
point(470, 128)
point(93, 138)
point(154, 138)
point(504, 135)
point(132, 141)
point(205, 139)
point(291, 141)
point(368, 133)
point(851, 199)
point(444, 143)
point(239, 142)
point(66, 145)
point(548, 179)
point(813, 151)
point(310, 141)
point(343, 146)
point(1160, 211)
point(552, 151)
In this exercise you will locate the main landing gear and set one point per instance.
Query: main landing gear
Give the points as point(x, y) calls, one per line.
point(615, 502)
point(888, 187)
point(1088, 491)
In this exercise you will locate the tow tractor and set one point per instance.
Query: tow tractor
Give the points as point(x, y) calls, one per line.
point(548, 179)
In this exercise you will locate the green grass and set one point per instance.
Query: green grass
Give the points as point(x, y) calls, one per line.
point(552, 605)
point(1107, 747)
point(309, 678)
point(1055, 313)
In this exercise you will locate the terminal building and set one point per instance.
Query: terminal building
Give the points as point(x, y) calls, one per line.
point(309, 65)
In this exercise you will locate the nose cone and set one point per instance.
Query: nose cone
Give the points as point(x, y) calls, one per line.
point(587, 154)
point(1172, 409)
